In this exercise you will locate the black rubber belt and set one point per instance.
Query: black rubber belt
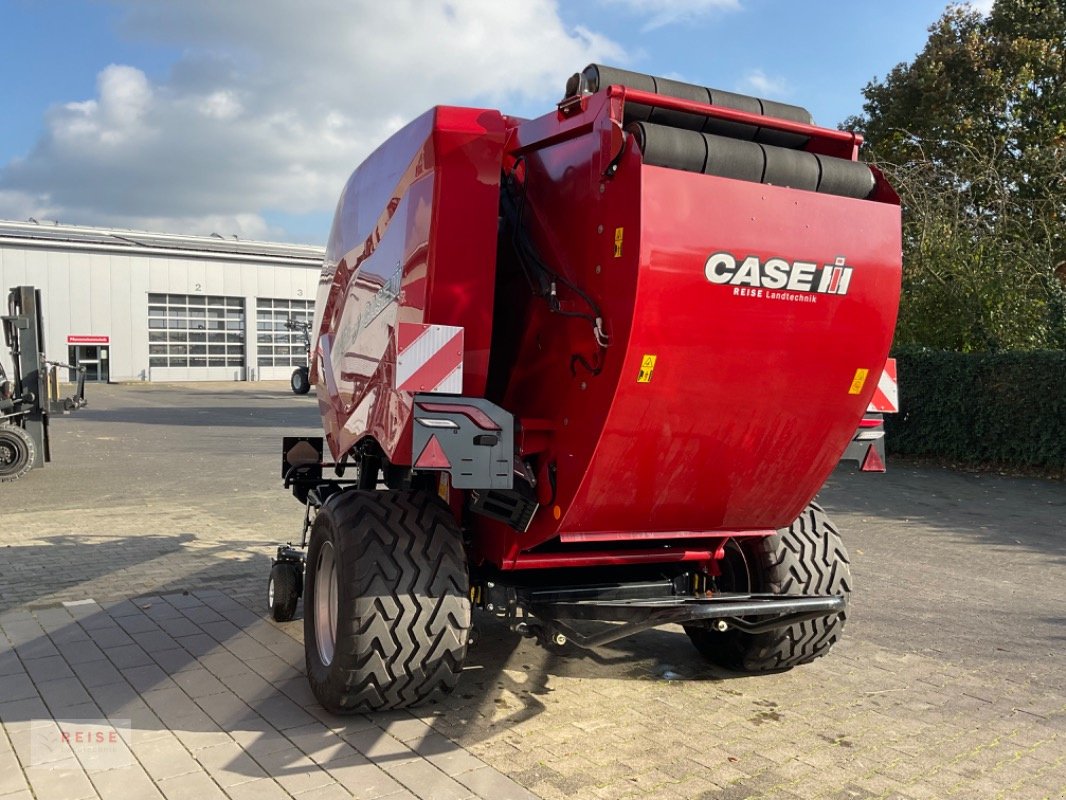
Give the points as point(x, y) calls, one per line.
point(597, 76)
point(711, 154)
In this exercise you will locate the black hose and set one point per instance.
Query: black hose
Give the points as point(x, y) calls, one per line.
point(543, 280)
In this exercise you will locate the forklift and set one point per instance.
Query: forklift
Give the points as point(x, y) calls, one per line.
point(300, 382)
point(31, 394)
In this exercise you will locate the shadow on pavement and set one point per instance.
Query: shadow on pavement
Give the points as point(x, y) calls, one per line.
point(69, 566)
point(202, 672)
point(230, 416)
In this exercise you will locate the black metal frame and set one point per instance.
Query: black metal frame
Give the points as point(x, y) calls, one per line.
point(305, 479)
point(635, 616)
point(631, 607)
point(35, 380)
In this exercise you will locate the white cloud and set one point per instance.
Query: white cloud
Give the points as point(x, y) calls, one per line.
point(124, 97)
point(665, 12)
point(24, 206)
point(271, 106)
point(771, 87)
point(222, 104)
point(982, 6)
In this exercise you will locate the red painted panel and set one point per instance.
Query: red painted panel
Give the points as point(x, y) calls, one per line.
point(750, 404)
point(413, 240)
point(74, 339)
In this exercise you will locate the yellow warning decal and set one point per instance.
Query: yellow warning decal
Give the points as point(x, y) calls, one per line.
point(858, 381)
point(618, 242)
point(647, 367)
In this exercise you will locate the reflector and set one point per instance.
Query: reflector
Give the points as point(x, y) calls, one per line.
point(433, 456)
point(873, 461)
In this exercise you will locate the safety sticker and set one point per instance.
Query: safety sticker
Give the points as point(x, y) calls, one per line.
point(858, 381)
point(886, 395)
point(647, 367)
point(618, 242)
point(429, 358)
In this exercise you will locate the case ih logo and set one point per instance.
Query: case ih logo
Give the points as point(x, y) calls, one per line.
point(778, 274)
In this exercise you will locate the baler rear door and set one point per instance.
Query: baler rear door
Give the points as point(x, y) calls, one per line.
point(766, 313)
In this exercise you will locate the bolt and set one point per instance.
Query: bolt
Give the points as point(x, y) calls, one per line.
point(721, 626)
point(584, 385)
point(599, 269)
point(490, 607)
point(599, 229)
point(559, 639)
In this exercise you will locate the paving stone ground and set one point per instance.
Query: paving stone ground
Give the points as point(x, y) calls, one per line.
point(132, 574)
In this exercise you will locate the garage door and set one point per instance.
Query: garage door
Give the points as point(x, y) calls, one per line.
point(279, 349)
point(195, 337)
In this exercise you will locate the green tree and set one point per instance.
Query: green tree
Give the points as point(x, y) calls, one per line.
point(973, 135)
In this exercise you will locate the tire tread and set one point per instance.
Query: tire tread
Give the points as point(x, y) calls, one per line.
point(808, 559)
point(403, 640)
point(286, 592)
point(10, 432)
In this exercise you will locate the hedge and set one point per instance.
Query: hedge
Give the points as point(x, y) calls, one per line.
point(1005, 408)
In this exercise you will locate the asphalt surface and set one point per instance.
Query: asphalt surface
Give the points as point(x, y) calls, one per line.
point(950, 680)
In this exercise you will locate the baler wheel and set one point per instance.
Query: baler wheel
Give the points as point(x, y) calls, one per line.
point(386, 601)
point(17, 453)
point(283, 592)
point(300, 381)
point(806, 559)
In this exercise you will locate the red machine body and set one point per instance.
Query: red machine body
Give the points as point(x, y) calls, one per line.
point(742, 326)
point(413, 240)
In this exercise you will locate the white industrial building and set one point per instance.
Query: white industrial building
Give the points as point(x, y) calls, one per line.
point(133, 306)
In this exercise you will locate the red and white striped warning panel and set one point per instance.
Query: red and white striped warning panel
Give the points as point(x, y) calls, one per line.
point(886, 398)
point(429, 358)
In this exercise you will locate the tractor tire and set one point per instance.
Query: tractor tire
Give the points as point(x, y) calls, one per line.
point(17, 453)
point(386, 601)
point(283, 592)
point(808, 559)
point(300, 381)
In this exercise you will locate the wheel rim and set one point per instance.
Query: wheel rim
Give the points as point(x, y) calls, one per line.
point(270, 593)
point(736, 570)
point(326, 603)
point(13, 454)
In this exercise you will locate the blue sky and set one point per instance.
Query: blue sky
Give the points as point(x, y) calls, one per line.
point(246, 116)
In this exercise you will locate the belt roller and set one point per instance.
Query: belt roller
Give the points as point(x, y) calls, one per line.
point(711, 154)
point(596, 76)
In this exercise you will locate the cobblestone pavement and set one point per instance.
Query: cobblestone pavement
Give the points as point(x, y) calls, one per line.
point(132, 582)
